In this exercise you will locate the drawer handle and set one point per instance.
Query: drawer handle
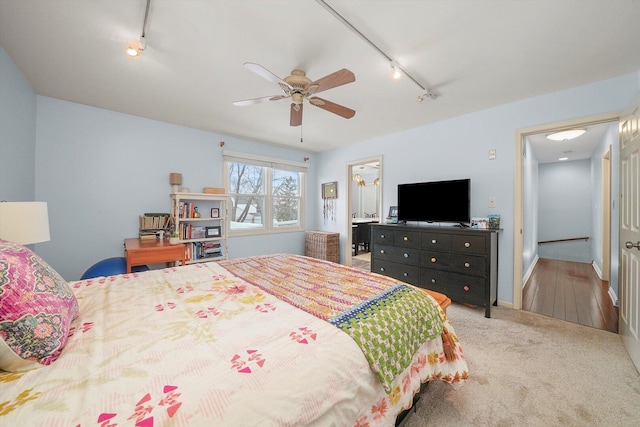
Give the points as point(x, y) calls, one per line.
point(433, 280)
point(405, 274)
point(467, 244)
point(433, 259)
point(466, 289)
point(406, 255)
point(434, 241)
point(405, 238)
point(381, 251)
point(381, 268)
point(466, 264)
point(382, 236)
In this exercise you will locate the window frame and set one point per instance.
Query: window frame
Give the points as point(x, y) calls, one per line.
point(269, 164)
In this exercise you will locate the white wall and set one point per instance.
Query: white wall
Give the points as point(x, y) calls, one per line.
point(458, 148)
point(17, 133)
point(100, 169)
point(564, 210)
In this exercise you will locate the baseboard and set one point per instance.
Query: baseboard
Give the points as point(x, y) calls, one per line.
point(505, 304)
point(529, 272)
point(614, 297)
point(597, 269)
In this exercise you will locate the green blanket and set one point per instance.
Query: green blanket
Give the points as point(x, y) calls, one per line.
point(390, 327)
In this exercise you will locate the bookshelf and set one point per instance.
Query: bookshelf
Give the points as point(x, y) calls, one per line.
point(201, 221)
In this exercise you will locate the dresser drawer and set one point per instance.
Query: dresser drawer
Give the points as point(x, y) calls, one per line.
point(468, 244)
point(382, 236)
point(406, 239)
point(435, 241)
point(397, 254)
point(404, 272)
point(465, 264)
point(458, 287)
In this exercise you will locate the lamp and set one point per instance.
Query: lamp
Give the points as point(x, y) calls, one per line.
point(566, 135)
point(175, 179)
point(24, 222)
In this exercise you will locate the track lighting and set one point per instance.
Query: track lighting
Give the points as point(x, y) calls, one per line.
point(425, 95)
point(398, 70)
point(396, 73)
point(137, 47)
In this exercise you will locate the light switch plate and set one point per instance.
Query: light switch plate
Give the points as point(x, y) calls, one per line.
point(492, 202)
point(492, 154)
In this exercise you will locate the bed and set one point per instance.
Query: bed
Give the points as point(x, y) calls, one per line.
point(274, 340)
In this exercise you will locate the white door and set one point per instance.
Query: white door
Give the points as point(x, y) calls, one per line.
point(629, 322)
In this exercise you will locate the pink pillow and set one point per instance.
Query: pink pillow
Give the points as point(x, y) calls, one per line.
point(36, 309)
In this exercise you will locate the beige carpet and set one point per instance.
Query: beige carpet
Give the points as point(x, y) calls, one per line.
point(530, 370)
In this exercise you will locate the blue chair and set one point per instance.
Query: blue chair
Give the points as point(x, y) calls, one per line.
point(109, 267)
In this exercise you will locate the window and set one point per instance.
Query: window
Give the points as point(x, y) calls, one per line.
point(265, 196)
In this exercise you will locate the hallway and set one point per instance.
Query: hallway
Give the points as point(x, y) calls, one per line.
point(570, 291)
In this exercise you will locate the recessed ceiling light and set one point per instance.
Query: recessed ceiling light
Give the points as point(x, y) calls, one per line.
point(562, 159)
point(566, 135)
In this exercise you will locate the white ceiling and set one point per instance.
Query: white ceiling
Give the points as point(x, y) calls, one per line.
point(475, 54)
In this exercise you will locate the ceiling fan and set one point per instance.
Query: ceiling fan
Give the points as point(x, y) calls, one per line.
point(299, 87)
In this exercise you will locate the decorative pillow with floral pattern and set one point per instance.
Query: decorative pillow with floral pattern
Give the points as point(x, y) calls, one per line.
point(36, 309)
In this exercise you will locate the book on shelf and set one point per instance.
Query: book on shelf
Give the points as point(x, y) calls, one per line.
point(150, 221)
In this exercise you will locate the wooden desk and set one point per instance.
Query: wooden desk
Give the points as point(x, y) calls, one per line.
point(142, 252)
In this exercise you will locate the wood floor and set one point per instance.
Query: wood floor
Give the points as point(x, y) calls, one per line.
point(570, 291)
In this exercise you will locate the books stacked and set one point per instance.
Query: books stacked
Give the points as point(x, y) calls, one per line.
point(150, 225)
point(203, 250)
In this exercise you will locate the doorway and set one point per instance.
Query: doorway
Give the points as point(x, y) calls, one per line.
point(526, 232)
point(364, 206)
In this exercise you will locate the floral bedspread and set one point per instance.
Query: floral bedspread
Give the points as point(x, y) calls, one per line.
point(198, 345)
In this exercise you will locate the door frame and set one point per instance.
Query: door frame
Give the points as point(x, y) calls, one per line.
point(518, 197)
point(350, 165)
point(606, 215)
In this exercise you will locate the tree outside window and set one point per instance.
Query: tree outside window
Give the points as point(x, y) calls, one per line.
point(257, 207)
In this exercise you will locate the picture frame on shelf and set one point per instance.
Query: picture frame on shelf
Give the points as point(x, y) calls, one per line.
point(393, 212)
point(215, 231)
point(215, 213)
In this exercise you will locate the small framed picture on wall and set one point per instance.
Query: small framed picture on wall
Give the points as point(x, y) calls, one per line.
point(215, 213)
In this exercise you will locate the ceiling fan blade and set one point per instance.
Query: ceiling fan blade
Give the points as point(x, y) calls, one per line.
point(296, 114)
point(264, 73)
point(332, 80)
point(332, 107)
point(257, 100)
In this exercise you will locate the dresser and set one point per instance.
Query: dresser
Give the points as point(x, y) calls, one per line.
point(461, 263)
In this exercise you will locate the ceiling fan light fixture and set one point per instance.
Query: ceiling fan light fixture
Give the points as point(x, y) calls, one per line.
point(566, 135)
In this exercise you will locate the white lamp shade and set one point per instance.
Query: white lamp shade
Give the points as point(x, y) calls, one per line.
point(24, 222)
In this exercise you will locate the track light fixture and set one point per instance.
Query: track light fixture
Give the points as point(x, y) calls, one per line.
point(396, 73)
point(427, 94)
point(398, 70)
point(137, 47)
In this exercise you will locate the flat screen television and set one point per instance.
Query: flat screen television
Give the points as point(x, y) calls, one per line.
point(435, 201)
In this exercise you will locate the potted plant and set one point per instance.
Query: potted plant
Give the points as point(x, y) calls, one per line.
point(174, 238)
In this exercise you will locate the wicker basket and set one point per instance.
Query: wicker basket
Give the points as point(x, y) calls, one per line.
point(322, 245)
